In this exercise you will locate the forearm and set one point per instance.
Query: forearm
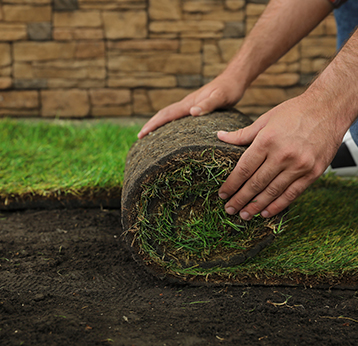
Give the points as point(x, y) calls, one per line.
point(283, 24)
point(336, 89)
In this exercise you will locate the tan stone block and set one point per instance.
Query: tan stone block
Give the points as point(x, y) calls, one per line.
point(164, 97)
point(285, 79)
point(113, 4)
point(90, 49)
point(141, 79)
point(190, 46)
point(64, 103)
point(29, 2)
point(168, 63)
point(255, 96)
point(5, 71)
point(229, 47)
point(164, 9)
point(63, 34)
point(163, 35)
point(331, 26)
point(5, 54)
point(37, 51)
point(294, 67)
point(26, 14)
point(211, 54)
point(202, 35)
point(12, 32)
point(129, 24)
point(1, 15)
point(141, 103)
point(77, 19)
point(250, 23)
point(318, 47)
point(201, 6)
point(280, 67)
point(109, 97)
point(234, 5)
point(58, 83)
point(144, 45)
point(112, 111)
point(5, 83)
point(224, 15)
point(19, 99)
point(255, 9)
point(186, 26)
point(213, 70)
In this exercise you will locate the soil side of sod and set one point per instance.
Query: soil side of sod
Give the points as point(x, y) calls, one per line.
point(67, 278)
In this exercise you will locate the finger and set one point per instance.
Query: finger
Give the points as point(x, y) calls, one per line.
point(175, 111)
point(287, 197)
point(243, 136)
point(252, 198)
point(269, 194)
point(248, 163)
point(208, 104)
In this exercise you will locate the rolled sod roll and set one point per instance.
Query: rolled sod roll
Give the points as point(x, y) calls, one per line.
point(172, 217)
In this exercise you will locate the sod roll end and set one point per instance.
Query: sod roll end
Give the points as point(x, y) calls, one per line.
point(173, 219)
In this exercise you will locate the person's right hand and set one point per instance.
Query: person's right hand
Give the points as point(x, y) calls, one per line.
point(222, 92)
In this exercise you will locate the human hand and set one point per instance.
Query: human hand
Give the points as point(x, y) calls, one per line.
point(222, 92)
point(292, 145)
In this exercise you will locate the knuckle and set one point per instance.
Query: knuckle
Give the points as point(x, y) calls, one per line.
point(292, 193)
point(273, 191)
point(256, 185)
point(242, 170)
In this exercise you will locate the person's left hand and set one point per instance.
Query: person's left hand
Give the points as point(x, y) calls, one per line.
point(292, 145)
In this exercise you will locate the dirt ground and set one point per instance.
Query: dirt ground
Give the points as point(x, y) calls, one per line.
point(66, 278)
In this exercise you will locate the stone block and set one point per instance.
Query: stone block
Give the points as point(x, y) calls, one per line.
point(39, 31)
point(234, 29)
point(90, 49)
point(229, 47)
point(65, 103)
point(190, 46)
point(141, 79)
point(41, 51)
point(77, 19)
point(5, 71)
point(313, 65)
point(110, 5)
point(318, 47)
point(293, 55)
point(129, 24)
point(189, 81)
point(255, 10)
point(160, 98)
point(61, 83)
point(331, 27)
point(19, 99)
point(201, 6)
point(32, 83)
point(5, 83)
point(234, 5)
point(254, 111)
point(213, 70)
point(12, 32)
point(284, 79)
point(65, 5)
point(189, 27)
point(112, 111)
point(164, 9)
point(109, 97)
point(141, 102)
point(144, 45)
point(255, 96)
point(5, 54)
point(26, 13)
point(225, 15)
point(211, 54)
point(68, 34)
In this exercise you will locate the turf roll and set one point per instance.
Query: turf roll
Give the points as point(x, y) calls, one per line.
point(172, 217)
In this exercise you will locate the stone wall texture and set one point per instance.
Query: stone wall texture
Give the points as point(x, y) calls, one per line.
point(114, 58)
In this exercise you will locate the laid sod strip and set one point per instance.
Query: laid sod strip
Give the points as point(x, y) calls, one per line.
point(44, 158)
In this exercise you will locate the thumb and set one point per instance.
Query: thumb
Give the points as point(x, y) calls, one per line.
point(214, 101)
point(243, 136)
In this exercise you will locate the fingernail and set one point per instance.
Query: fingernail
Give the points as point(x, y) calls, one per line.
point(223, 132)
point(196, 110)
point(245, 215)
point(231, 210)
point(265, 213)
point(223, 195)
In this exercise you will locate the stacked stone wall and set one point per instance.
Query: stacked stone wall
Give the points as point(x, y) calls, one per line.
point(99, 58)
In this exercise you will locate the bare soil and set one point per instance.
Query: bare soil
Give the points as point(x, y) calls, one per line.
point(67, 278)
